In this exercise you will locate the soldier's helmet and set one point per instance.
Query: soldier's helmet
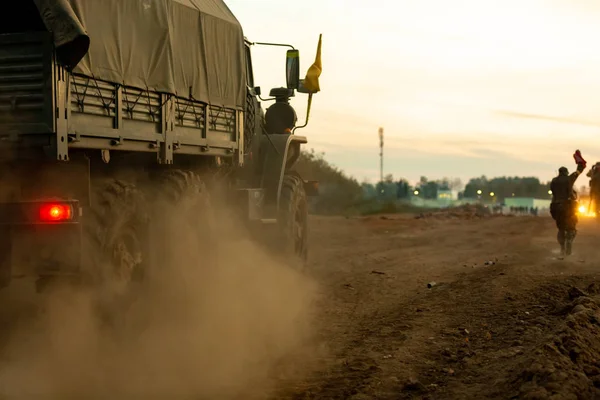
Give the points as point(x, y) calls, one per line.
point(563, 171)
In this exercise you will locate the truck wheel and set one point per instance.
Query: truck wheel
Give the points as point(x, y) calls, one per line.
point(293, 219)
point(178, 186)
point(116, 229)
point(181, 197)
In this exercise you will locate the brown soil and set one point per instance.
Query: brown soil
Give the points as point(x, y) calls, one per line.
point(503, 318)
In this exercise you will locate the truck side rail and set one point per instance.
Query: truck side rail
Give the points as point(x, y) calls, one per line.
point(106, 115)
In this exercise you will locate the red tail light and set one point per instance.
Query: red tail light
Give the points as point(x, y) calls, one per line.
point(56, 212)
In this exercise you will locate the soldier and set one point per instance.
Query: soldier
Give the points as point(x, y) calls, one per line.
point(564, 204)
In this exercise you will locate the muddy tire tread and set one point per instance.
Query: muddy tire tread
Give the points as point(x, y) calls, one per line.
point(113, 202)
point(292, 192)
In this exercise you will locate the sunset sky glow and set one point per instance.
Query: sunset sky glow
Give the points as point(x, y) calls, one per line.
point(463, 88)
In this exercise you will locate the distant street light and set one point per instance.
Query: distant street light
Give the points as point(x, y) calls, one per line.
point(479, 192)
point(550, 192)
point(492, 194)
point(416, 192)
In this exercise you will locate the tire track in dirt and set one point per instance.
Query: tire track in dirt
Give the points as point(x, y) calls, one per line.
point(468, 336)
point(387, 320)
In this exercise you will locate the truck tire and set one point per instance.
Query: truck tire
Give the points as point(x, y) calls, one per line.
point(177, 185)
point(115, 229)
point(186, 189)
point(182, 195)
point(249, 122)
point(293, 220)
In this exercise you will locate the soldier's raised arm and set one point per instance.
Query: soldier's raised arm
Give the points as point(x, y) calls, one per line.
point(575, 174)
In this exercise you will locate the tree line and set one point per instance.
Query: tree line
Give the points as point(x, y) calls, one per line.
point(339, 192)
point(504, 187)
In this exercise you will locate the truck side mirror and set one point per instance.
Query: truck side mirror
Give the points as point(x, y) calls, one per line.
point(292, 69)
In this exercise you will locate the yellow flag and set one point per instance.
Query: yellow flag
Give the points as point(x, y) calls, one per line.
point(311, 81)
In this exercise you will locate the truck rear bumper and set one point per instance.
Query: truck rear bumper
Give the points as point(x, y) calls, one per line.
point(31, 245)
point(44, 250)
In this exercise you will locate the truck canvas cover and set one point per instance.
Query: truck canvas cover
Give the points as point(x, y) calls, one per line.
point(191, 48)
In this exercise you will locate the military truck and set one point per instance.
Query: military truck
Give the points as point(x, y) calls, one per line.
point(105, 104)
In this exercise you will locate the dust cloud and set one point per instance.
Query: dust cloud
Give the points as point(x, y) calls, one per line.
point(220, 322)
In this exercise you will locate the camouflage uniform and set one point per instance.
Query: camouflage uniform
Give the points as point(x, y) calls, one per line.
point(564, 206)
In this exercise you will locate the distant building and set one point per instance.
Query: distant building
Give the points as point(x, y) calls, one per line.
point(446, 195)
point(446, 198)
point(528, 202)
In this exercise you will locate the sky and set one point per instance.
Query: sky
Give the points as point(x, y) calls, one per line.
point(462, 88)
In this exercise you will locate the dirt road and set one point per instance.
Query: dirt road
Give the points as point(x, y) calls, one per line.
point(503, 320)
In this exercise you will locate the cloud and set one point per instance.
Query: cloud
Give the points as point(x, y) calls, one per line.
point(552, 118)
point(452, 87)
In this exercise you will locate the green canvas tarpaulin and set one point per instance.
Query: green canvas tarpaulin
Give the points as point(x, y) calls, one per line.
point(192, 48)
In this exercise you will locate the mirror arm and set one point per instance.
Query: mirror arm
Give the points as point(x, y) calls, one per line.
point(265, 100)
point(273, 44)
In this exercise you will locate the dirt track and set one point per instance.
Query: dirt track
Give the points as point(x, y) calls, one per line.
point(505, 319)
point(514, 328)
